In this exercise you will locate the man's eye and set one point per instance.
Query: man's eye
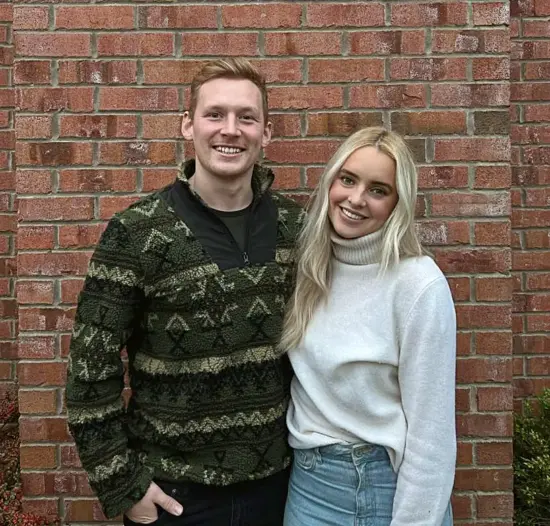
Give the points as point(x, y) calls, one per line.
point(213, 115)
point(248, 118)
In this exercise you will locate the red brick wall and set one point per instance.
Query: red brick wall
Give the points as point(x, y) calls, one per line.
point(530, 135)
point(8, 305)
point(99, 90)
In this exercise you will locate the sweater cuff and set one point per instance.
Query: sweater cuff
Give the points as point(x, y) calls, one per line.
point(119, 498)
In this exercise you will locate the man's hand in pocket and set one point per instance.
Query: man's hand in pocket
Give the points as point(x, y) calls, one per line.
point(145, 511)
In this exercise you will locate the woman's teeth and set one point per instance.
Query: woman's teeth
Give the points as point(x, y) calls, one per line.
point(351, 215)
point(225, 149)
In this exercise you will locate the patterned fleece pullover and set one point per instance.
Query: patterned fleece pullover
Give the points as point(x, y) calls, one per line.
point(209, 387)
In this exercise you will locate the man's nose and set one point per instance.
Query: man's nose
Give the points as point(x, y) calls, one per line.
point(231, 126)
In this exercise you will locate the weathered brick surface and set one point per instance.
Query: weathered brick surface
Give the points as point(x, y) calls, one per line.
point(99, 89)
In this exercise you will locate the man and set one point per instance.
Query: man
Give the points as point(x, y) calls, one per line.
point(192, 280)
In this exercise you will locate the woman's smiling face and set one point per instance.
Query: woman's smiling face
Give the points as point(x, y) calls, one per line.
point(363, 194)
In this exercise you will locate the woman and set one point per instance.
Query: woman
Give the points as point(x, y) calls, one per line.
point(371, 336)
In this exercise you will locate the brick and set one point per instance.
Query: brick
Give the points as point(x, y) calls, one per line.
point(285, 125)
point(7, 98)
point(32, 72)
point(301, 151)
point(462, 400)
point(464, 455)
point(531, 302)
point(36, 402)
point(491, 13)
point(94, 17)
point(493, 289)
point(341, 123)
point(280, 70)
point(475, 479)
point(485, 205)
point(493, 342)
point(8, 308)
point(330, 15)
point(79, 236)
point(30, 18)
point(170, 71)
point(98, 126)
point(490, 150)
point(97, 72)
point(286, 177)
point(36, 348)
point(474, 260)
point(537, 239)
point(53, 153)
point(280, 15)
point(33, 182)
point(108, 206)
point(539, 282)
point(531, 50)
point(43, 100)
point(531, 344)
point(178, 17)
point(304, 97)
point(485, 425)
point(492, 177)
point(137, 153)
point(529, 134)
point(345, 70)
point(215, 44)
point(384, 96)
point(491, 68)
point(494, 506)
point(444, 232)
point(471, 41)
point(7, 140)
point(432, 14)
point(35, 292)
point(69, 457)
point(41, 507)
point(441, 176)
point(478, 370)
point(429, 123)
point(492, 233)
point(53, 45)
point(33, 126)
point(535, 29)
point(483, 316)
point(35, 237)
point(538, 365)
point(156, 178)
point(95, 180)
point(302, 43)
point(70, 290)
point(37, 457)
point(536, 71)
point(6, 56)
point(495, 398)
point(539, 260)
point(138, 99)
point(470, 95)
point(32, 429)
point(45, 319)
point(56, 208)
point(52, 264)
point(537, 113)
point(530, 218)
point(542, 8)
point(433, 69)
point(411, 42)
point(135, 44)
point(83, 510)
point(462, 506)
point(494, 453)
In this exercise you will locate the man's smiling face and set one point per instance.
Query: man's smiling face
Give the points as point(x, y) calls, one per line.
point(228, 128)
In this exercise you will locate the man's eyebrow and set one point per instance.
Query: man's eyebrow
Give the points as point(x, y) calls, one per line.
point(217, 107)
point(354, 175)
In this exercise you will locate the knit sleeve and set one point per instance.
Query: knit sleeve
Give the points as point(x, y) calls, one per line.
point(427, 383)
point(107, 311)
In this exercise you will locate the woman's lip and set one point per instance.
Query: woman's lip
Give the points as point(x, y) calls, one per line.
point(361, 216)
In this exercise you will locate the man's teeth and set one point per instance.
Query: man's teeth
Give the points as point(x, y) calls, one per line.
point(351, 215)
point(225, 149)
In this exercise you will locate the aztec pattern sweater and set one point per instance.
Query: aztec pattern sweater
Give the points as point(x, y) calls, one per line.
point(209, 387)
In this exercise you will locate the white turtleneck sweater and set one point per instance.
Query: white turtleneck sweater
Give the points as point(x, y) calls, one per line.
point(377, 365)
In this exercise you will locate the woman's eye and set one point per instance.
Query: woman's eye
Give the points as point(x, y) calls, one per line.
point(346, 180)
point(378, 191)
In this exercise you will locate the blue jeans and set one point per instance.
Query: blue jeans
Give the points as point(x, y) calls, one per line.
point(342, 485)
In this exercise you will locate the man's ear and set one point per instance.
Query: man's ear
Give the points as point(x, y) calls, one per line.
point(187, 126)
point(266, 138)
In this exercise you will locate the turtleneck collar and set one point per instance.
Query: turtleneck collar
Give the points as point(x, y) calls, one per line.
point(364, 250)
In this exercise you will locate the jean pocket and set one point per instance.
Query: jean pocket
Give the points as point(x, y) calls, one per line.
point(305, 458)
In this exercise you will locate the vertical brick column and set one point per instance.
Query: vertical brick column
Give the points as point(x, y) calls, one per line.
point(8, 305)
point(100, 91)
point(530, 114)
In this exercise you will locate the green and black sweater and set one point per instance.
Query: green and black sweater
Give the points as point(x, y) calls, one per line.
point(209, 387)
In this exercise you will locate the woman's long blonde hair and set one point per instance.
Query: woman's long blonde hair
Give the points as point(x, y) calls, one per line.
point(314, 249)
